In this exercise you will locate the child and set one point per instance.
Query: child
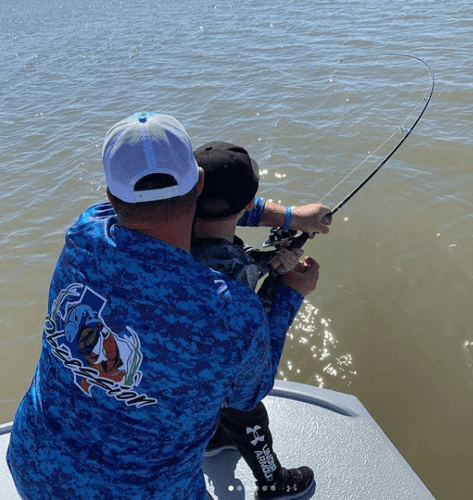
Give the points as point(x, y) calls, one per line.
point(230, 185)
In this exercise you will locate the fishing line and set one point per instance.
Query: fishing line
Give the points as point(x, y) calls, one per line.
point(400, 128)
point(425, 99)
point(297, 242)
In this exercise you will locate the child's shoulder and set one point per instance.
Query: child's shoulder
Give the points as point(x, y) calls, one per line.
point(218, 249)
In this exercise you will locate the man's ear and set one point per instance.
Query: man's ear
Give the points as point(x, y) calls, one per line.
point(109, 196)
point(200, 182)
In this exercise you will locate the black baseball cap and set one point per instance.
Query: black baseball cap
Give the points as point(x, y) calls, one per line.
point(231, 179)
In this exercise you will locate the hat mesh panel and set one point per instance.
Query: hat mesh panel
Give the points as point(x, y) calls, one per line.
point(171, 157)
point(129, 164)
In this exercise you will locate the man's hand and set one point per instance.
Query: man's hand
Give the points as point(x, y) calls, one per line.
point(311, 219)
point(303, 278)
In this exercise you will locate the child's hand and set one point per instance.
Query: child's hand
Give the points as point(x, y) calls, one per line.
point(285, 260)
point(311, 219)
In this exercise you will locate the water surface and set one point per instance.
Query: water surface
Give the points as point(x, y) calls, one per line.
point(390, 321)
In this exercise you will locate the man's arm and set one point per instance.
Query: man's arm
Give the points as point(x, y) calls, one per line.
point(296, 284)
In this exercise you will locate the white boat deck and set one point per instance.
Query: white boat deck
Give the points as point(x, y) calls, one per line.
point(329, 431)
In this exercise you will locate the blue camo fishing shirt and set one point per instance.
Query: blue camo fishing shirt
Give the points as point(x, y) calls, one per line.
point(141, 347)
point(231, 259)
point(228, 258)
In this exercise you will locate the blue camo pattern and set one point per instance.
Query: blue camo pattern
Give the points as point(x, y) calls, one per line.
point(232, 260)
point(252, 217)
point(227, 258)
point(141, 347)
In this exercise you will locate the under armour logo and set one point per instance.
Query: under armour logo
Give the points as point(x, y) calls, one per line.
point(256, 436)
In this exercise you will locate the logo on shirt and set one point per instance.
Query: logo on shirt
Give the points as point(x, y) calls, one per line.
point(97, 357)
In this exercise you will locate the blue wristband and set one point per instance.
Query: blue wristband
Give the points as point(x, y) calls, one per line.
point(287, 219)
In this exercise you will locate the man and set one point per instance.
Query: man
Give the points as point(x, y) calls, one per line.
point(231, 183)
point(142, 345)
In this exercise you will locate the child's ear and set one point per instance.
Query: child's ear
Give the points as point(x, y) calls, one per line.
point(250, 205)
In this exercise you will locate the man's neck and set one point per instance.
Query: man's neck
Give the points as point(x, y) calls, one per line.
point(177, 233)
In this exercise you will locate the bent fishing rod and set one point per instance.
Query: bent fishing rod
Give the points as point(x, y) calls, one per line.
point(277, 235)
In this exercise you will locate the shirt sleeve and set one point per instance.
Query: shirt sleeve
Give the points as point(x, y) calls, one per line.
point(262, 358)
point(284, 308)
point(252, 217)
point(256, 375)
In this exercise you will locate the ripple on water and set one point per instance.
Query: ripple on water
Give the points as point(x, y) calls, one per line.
point(311, 337)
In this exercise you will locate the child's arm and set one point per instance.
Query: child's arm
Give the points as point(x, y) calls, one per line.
point(308, 218)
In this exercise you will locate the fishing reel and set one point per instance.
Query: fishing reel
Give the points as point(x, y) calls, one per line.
point(277, 236)
point(262, 257)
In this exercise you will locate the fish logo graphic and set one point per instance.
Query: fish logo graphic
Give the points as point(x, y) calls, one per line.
point(96, 355)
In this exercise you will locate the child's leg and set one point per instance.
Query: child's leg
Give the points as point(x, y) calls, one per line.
point(249, 431)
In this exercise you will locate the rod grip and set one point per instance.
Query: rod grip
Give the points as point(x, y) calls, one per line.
point(299, 241)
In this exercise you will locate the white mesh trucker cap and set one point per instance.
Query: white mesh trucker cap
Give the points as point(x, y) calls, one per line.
point(148, 143)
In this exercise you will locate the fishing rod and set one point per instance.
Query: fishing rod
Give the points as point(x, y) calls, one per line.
point(277, 235)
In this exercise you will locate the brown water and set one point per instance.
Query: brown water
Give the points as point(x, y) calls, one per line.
point(390, 321)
